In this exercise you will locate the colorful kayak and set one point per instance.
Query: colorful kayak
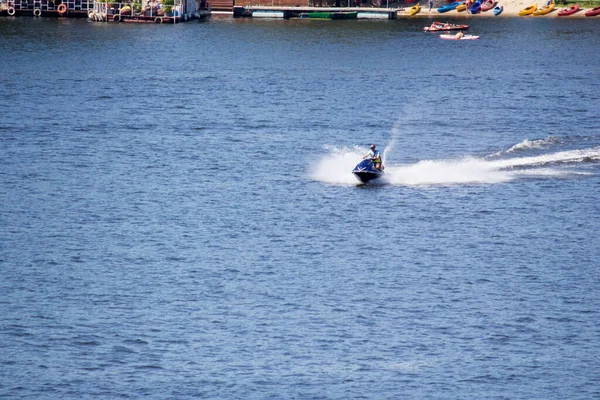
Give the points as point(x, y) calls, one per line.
point(449, 7)
point(441, 26)
point(569, 10)
point(475, 8)
point(462, 7)
point(544, 10)
point(528, 11)
point(487, 5)
point(592, 12)
point(455, 37)
point(498, 10)
point(414, 9)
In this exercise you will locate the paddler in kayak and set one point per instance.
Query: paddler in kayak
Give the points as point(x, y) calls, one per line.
point(374, 156)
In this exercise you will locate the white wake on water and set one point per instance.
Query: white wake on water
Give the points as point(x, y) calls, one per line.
point(337, 166)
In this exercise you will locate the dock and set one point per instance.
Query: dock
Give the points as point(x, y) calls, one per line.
point(287, 12)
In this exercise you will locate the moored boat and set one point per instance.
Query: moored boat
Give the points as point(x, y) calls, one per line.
point(569, 10)
point(528, 11)
point(441, 26)
point(345, 15)
point(593, 12)
point(317, 15)
point(462, 7)
point(498, 10)
point(449, 7)
point(475, 8)
point(544, 10)
point(487, 5)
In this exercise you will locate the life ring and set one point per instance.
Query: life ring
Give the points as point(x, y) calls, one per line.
point(37, 12)
point(62, 9)
point(11, 11)
point(158, 20)
point(116, 18)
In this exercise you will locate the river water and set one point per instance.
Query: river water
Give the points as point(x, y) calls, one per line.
point(178, 218)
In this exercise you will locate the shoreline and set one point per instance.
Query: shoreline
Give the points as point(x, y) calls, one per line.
point(511, 9)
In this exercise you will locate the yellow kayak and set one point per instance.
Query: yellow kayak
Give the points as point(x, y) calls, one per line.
point(462, 7)
point(529, 10)
point(414, 9)
point(544, 10)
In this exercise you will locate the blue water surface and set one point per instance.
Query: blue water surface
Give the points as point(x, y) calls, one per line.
point(178, 218)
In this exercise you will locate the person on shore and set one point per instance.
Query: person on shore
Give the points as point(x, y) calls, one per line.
point(430, 5)
point(374, 156)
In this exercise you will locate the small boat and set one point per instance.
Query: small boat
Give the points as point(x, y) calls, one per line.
point(317, 15)
point(544, 10)
point(414, 9)
point(487, 5)
point(475, 8)
point(449, 7)
point(528, 11)
point(498, 9)
point(365, 171)
point(569, 10)
point(454, 37)
point(592, 12)
point(462, 7)
point(441, 26)
point(345, 15)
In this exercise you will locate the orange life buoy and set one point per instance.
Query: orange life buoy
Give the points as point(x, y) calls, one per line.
point(62, 9)
point(11, 11)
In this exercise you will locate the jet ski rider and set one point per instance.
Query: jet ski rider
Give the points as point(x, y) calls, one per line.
point(374, 156)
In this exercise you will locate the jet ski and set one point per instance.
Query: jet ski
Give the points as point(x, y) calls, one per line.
point(365, 171)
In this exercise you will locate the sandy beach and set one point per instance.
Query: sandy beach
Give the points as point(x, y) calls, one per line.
point(511, 9)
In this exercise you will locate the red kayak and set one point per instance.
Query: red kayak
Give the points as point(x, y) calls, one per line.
point(441, 26)
point(487, 5)
point(569, 11)
point(592, 12)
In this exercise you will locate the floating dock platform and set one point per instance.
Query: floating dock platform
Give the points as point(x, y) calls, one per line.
point(314, 12)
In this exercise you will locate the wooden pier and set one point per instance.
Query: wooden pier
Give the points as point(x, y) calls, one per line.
point(287, 12)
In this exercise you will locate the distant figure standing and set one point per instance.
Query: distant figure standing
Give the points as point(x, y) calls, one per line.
point(430, 5)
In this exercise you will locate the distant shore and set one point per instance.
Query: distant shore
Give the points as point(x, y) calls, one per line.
point(511, 9)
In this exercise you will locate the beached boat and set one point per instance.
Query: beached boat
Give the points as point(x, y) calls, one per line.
point(544, 10)
point(569, 10)
point(592, 12)
point(462, 7)
point(475, 8)
point(441, 26)
point(455, 37)
point(414, 9)
point(449, 7)
point(528, 11)
point(487, 5)
point(498, 10)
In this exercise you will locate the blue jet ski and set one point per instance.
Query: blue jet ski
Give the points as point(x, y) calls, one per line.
point(365, 171)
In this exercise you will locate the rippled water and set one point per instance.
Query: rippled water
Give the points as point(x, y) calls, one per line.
point(178, 217)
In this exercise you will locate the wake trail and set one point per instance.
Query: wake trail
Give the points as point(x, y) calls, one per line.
point(337, 166)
